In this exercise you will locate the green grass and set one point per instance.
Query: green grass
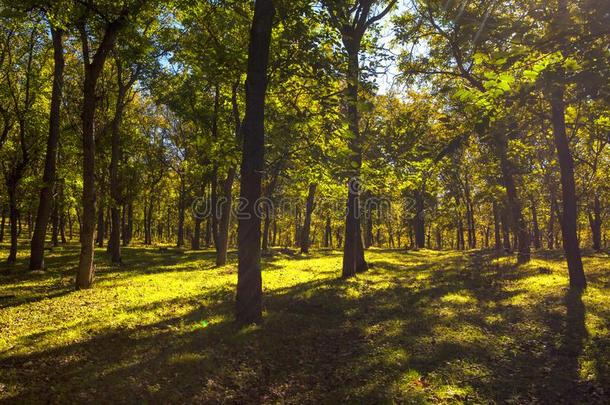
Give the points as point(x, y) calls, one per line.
point(418, 327)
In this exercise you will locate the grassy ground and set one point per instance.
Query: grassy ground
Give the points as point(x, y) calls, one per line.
point(421, 327)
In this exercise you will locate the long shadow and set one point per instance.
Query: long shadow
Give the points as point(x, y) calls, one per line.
point(331, 340)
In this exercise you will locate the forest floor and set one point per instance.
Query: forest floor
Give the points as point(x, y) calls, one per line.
point(418, 327)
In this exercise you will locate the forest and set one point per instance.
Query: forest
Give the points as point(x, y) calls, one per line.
point(305, 201)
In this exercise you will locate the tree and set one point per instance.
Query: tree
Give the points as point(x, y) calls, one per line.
point(249, 282)
point(48, 178)
point(93, 65)
point(352, 21)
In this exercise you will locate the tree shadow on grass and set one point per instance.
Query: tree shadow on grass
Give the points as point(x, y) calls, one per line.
point(434, 331)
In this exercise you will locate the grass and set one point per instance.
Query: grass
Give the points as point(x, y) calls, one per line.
point(418, 327)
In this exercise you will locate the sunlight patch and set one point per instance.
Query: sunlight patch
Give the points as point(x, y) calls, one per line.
point(462, 297)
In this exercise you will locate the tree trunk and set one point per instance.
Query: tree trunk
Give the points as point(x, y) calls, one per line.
point(196, 241)
point(368, 221)
point(595, 221)
point(13, 216)
point(181, 209)
point(214, 191)
point(114, 244)
point(225, 219)
point(265, 234)
point(62, 215)
point(419, 220)
point(353, 249)
point(505, 230)
point(569, 216)
point(273, 240)
point(148, 229)
point(472, 237)
point(328, 233)
point(55, 223)
point(535, 226)
point(307, 223)
point(439, 239)
point(86, 270)
point(49, 174)
point(249, 281)
point(496, 215)
point(515, 215)
point(100, 224)
point(129, 233)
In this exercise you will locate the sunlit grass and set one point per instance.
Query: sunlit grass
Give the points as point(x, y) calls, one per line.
point(419, 326)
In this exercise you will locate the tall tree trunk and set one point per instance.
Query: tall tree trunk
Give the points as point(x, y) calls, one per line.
point(181, 209)
point(496, 215)
point(472, 237)
point(551, 225)
point(307, 223)
point(368, 221)
point(439, 238)
point(114, 244)
point(249, 280)
point(70, 223)
point(86, 270)
point(196, 241)
point(149, 215)
point(595, 221)
point(353, 249)
point(227, 190)
point(569, 216)
point(49, 174)
point(55, 223)
point(328, 233)
point(100, 223)
point(62, 215)
point(265, 234)
point(505, 230)
point(273, 240)
point(129, 233)
point(13, 216)
point(515, 215)
point(225, 218)
point(214, 188)
point(535, 226)
point(419, 220)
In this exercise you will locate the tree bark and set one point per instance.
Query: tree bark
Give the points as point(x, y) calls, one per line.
point(569, 217)
point(419, 220)
point(225, 218)
point(50, 170)
point(328, 233)
point(595, 222)
point(129, 233)
point(13, 217)
point(181, 209)
point(114, 244)
point(515, 215)
point(353, 249)
point(86, 270)
point(214, 180)
point(55, 223)
point(496, 215)
point(535, 226)
point(100, 223)
point(249, 280)
point(307, 223)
